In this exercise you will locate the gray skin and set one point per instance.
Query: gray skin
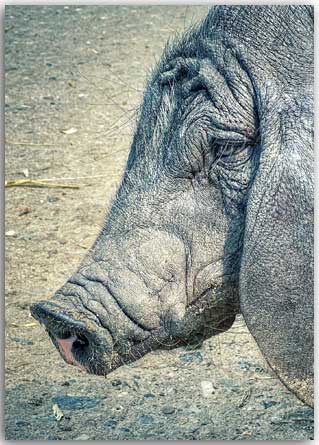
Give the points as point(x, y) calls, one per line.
point(214, 215)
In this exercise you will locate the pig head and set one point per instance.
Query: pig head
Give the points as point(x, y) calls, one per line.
point(214, 214)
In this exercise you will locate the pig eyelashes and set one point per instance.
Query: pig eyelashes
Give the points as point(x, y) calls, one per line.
point(232, 154)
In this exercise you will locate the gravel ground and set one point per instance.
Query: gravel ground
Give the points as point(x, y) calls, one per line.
point(74, 77)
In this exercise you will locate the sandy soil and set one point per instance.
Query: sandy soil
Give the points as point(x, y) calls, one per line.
point(84, 68)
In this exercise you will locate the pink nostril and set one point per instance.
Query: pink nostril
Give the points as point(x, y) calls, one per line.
point(65, 346)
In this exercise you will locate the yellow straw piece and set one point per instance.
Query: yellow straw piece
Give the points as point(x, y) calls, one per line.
point(36, 183)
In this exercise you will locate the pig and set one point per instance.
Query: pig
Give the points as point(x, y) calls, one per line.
point(214, 213)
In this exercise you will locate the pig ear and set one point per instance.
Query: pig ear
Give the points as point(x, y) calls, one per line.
point(276, 279)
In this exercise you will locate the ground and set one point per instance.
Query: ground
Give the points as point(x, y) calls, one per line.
point(74, 77)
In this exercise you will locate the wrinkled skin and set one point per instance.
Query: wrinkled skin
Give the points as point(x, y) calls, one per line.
point(215, 210)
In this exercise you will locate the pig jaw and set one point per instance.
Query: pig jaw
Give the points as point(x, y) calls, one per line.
point(124, 303)
point(86, 345)
point(94, 349)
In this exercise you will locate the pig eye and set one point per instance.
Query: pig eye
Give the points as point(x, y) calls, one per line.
point(232, 153)
point(232, 149)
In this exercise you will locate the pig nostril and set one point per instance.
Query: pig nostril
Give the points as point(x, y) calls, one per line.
point(65, 335)
point(81, 342)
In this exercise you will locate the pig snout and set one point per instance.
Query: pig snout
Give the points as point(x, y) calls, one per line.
point(72, 338)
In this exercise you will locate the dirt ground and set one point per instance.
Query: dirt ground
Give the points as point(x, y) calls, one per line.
point(74, 77)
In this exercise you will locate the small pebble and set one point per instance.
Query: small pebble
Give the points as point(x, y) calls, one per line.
point(194, 430)
point(116, 382)
point(65, 428)
point(183, 420)
point(36, 401)
point(82, 437)
point(76, 402)
point(145, 419)
point(124, 429)
point(259, 369)
point(190, 357)
point(10, 233)
point(52, 199)
point(24, 211)
point(23, 107)
point(148, 395)
point(229, 383)
point(269, 403)
point(111, 423)
point(275, 420)
point(26, 237)
point(22, 341)
point(244, 365)
point(21, 423)
point(207, 388)
point(168, 410)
